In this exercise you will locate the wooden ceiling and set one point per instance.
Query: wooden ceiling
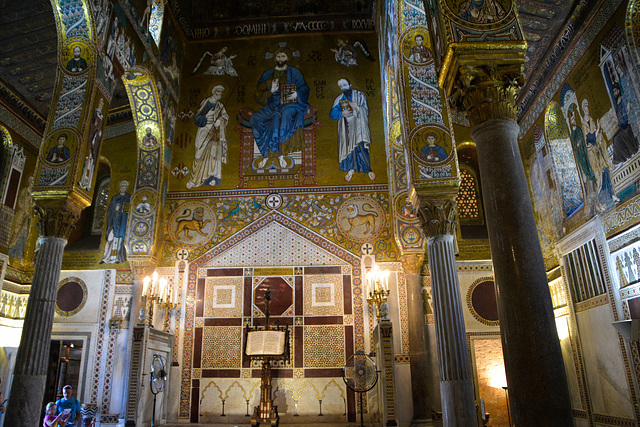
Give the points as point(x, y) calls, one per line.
point(28, 35)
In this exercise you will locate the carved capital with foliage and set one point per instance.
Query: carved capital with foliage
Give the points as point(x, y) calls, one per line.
point(437, 216)
point(487, 92)
point(412, 262)
point(57, 217)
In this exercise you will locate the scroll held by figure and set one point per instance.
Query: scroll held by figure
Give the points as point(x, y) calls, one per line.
point(210, 141)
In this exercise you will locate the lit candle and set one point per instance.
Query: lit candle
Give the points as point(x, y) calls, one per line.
point(174, 294)
point(386, 280)
point(163, 289)
point(153, 288)
point(374, 278)
point(145, 285)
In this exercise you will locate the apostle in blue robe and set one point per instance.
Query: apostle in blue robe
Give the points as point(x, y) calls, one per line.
point(278, 126)
point(59, 153)
point(351, 110)
point(432, 152)
point(117, 217)
point(625, 144)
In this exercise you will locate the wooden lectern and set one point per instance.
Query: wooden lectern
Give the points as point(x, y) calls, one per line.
point(266, 344)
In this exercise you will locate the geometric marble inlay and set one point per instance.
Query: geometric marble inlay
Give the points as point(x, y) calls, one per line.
point(223, 297)
point(323, 295)
point(269, 246)
point(221, 347)
point(481, 301)
point(323, 346)
point(71, 296)
point(281, 295)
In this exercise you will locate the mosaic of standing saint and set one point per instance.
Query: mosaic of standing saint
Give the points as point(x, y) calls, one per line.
point(210, 141)
point(351, 110)
point(117, 217)
point(22, 221)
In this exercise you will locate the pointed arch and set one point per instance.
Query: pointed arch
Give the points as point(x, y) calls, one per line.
point(143, 226)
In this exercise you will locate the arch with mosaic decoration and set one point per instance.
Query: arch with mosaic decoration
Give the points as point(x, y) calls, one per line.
point(143, 228)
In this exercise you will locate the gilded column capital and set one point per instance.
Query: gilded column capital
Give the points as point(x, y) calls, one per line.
point(437, 216)
point(487, 92)
point(412, 262)
point(57, 217)
point(141, 268)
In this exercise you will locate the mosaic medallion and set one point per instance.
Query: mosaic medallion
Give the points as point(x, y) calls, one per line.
point(361, 218)
point(191, 224)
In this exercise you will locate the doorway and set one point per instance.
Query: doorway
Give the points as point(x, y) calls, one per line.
point(65, 358)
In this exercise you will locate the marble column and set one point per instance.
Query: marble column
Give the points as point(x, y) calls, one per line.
point(421, 375)
point(538, 388)
point(456, 382)
point(24, 408)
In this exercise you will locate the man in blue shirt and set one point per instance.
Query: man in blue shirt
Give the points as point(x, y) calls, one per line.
point(68, 402)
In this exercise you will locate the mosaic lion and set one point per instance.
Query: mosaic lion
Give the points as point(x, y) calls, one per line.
point(196, 223)
point(357, 219)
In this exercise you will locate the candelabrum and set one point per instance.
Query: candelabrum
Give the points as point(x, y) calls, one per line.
point(378, 290)
point(155, 291)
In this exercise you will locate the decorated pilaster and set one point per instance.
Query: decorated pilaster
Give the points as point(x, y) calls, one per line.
point(481, 62)
point(419, 357)
point(384, 331)
point(437, 213)
point(56, 219)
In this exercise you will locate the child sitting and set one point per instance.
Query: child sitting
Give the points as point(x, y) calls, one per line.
point(51, 420)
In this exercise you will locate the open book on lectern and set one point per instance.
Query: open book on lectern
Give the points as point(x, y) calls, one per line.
point(265, 343)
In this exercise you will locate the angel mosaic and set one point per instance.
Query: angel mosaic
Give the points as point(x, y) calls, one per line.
point(219, 64)
point(347, 54)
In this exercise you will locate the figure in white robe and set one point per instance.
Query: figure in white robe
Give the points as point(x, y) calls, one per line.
point(211, 141)
point(354, 137)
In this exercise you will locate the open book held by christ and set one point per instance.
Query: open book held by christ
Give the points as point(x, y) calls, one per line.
point(265, 343)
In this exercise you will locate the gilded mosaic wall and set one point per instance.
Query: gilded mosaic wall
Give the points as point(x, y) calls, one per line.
point(586, 139)
point(229, 133)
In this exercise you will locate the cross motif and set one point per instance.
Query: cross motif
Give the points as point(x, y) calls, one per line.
point(274, 201)
point(182, 254)
point(366, 248)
